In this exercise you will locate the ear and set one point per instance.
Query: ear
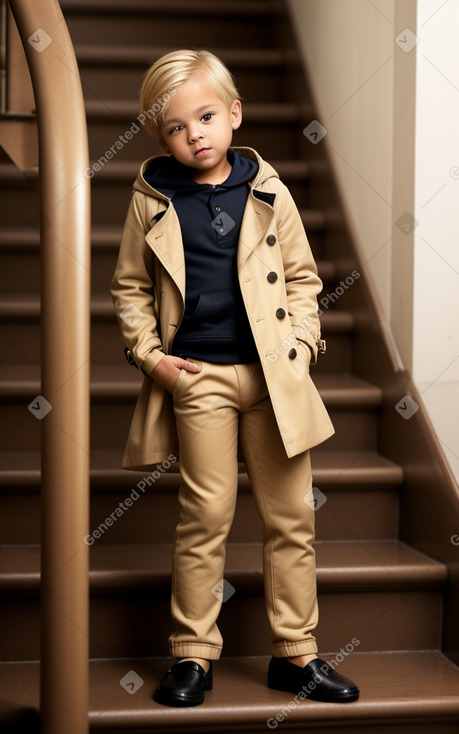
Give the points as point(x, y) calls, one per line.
point(236, 114)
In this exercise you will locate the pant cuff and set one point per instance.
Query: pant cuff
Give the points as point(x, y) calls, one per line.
point(292, 649)
point(195, 650)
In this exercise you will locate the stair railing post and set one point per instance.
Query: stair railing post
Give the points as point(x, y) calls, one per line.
point(63, 406)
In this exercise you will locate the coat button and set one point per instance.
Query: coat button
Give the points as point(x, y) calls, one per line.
point(292, 354)
point(272, 276)
point(280, 313)
point(271, 240)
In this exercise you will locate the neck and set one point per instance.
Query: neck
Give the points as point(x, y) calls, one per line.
point(213, 177)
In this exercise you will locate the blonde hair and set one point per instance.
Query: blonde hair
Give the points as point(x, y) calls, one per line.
point(175, 68)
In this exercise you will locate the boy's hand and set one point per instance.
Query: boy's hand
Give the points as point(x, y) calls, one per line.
point(168, 369)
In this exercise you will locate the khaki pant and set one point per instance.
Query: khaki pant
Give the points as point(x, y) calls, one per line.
point(214, 408)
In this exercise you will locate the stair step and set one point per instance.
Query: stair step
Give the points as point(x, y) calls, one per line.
point(116, 72)
point(11, 175)
point(140, 55)
point(24, 241)
point(125, 171)
point(26, 307)
point(399, 692)
point(20, 257)
point(203, 24)
point(333, 470)
point(119, 383)
point(385, 592)
point(352, 404)
point(352, 565)
point(359, 493)
point(20, 330)
point(112, 184)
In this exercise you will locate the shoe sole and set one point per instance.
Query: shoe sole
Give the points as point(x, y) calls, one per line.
point(348, 698)
point(178, 701)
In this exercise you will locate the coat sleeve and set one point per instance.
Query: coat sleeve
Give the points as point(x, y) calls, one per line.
point(301, 280)
point(133, 290)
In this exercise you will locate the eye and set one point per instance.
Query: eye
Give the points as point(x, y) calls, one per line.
point(207, 117)
point(175, 129)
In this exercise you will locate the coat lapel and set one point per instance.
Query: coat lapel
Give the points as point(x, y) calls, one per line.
point(165, 239)
point(256, 221)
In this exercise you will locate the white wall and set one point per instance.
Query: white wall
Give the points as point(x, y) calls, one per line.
point(436, 262)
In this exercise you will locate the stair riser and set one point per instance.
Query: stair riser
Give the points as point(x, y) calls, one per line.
point(107, 347)
point(138, 625)
point(337, 519)
point(150, 30)
point(346, 515)
point(23, 340)
point(20, 207)
point(355, 429)
point(23, 267)
point(124, 81)
point(110, 200)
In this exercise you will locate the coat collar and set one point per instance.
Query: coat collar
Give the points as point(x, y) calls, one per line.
point(265, 172)
point(257, 218)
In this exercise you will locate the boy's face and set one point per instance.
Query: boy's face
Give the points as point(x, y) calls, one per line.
point(198, 129)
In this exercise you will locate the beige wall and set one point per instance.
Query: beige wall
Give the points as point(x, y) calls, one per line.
point(353, 63)
point(389, 100)
point(436, 265)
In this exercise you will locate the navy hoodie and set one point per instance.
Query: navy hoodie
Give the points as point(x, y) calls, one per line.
point(215, 327)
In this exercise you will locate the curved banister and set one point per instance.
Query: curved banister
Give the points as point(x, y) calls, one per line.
point(65, 314)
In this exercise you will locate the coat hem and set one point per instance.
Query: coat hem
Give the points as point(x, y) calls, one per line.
point(149, 462)
point(293, 449)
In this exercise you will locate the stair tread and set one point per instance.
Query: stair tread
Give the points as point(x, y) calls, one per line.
point(23, 240)
point(336, 468)
point(26, 307)
point(393, 686)
point(119, 381)
point(365, 565)
point(126, 171)
point(118, 55)
point(108, 237)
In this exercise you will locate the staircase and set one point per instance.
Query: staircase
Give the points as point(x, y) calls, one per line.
point(383, 602)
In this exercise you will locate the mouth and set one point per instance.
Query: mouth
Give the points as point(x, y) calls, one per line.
point(201, 152)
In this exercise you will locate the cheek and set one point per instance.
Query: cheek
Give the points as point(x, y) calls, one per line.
point(164, 145)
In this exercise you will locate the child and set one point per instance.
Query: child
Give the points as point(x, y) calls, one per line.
point(216, 294)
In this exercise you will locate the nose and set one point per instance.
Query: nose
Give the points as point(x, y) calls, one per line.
point(195, 134)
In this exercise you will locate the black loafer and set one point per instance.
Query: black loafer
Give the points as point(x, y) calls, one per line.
point(184, 685)
point(317, 680)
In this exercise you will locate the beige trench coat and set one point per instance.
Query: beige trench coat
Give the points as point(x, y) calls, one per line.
point(148, 290)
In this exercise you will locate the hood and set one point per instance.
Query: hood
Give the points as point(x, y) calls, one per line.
point(265, 172)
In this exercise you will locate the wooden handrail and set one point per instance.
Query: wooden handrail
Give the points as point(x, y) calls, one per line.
point(65, 310)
